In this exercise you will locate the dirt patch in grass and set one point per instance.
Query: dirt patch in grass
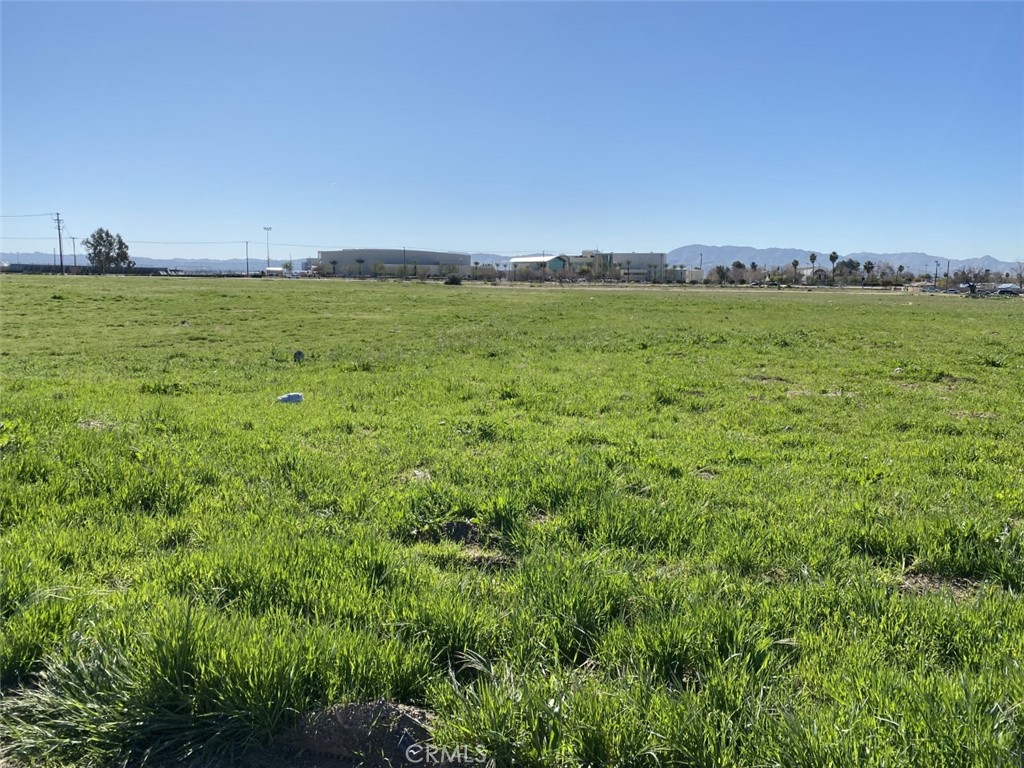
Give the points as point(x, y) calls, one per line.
point(488, 559)
point(373, 735)
point(762, 379)
point(95, 424)
point(416, 476)
point(933, 584)
point(460, 531)
point(974, 415)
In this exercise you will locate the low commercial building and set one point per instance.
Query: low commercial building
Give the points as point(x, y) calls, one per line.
point(354, 262)
point(543, 264)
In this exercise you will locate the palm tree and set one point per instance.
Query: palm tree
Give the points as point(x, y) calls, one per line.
point(833, 257)
point(360, 262)
point(899, 270)
point(813, 257)
point(796, 263)
point(334, 267)
point(869, 267)
point(629, 263)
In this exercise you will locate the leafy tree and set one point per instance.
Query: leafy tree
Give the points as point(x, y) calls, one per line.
point(286, 266)
point(106, 251)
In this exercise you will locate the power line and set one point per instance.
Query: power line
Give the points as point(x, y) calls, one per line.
point(189, 242)
point(23, 215)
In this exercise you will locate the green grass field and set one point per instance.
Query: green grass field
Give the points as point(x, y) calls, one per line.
point(583, 526)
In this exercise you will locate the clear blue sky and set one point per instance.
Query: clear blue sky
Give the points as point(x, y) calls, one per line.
point(517, 127)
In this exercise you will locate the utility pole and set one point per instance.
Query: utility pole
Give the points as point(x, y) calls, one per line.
point(74, 251)
point(947, 274)
point(935, 280)
point(268, 246)
point(246, 258)
point(60, 243)
point(405, 268)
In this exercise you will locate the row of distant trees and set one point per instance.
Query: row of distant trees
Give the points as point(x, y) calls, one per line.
point(846, 271)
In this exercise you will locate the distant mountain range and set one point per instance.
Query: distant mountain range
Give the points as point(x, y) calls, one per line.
point(688, 255)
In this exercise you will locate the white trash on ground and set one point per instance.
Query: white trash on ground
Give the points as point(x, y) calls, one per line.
point(291, 397)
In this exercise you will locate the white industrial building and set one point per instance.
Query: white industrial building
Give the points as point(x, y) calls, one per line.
point(374, 262)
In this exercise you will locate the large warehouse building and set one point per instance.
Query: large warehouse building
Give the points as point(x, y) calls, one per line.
point(391, 261)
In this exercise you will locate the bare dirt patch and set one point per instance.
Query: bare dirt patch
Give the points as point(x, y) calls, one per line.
point(932, 584)
point(487, 559)
point(371, 735)
point(416, 476)
point(460, 531)
point(95, 424)
point(974, 415)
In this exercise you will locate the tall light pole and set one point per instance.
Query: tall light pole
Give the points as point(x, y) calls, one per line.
point(268, 245)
